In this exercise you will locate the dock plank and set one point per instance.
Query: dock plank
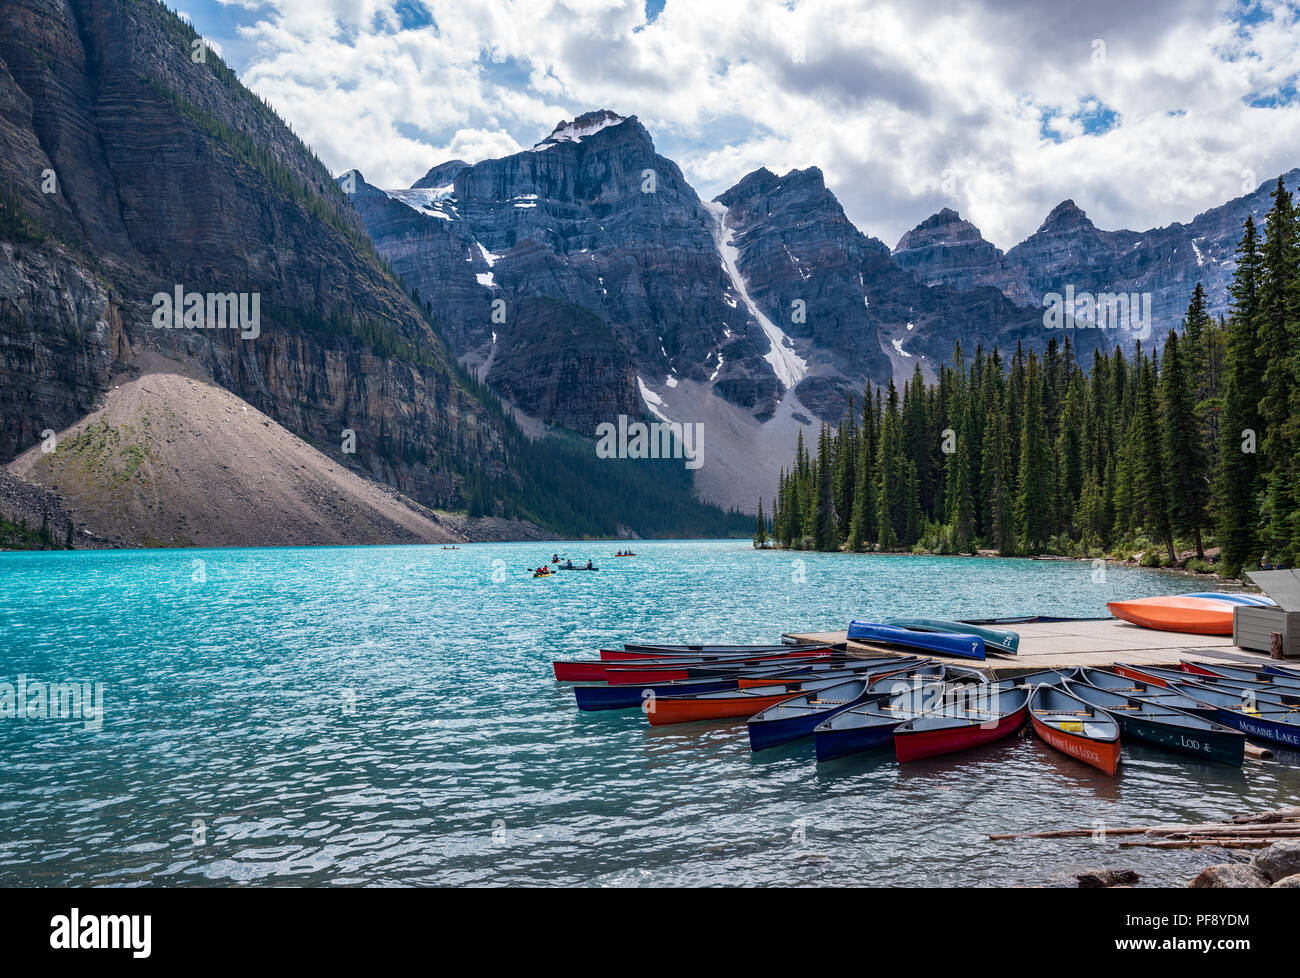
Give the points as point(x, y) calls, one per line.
point(1061, 645)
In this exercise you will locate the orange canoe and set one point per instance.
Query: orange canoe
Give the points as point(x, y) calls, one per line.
point(726, 705)
point(1075, 728)
point(1199, 616)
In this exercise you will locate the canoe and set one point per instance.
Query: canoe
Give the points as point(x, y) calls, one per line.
point(963, 645)
point(728, 649)
point(1051, 677)
point(589, 670)
point(973, 721)
point(1170, 677)
point(923, 673)
point(736, 704)
point(623, 696)
point(1073, 727)
point(1177, 613)
point(1255, 600)
point(605, 697)
point(575, 567)
point(797, 717)
point(995, 639)
point(1257, 717)
point(632, 672)
point(1245, 675)
point(1284, 671)
point(865, 669)
point(733, 652)
point(1113, 682)
point(1164, 726)
point(871, 724)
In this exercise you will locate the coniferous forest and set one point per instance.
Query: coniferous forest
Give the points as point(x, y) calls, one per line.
point(1190, 448)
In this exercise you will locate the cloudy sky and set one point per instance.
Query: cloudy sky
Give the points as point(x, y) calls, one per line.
point(1142, 111)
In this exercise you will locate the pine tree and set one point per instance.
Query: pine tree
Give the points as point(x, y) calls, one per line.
point(1278, 336)
point(1153, 491)
point(760, 531)
point(1033, 497)
point(1184, 460)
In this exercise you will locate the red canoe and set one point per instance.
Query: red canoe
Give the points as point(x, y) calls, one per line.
point(664, 670)
point(990, 715)
point(1176, 613)
point(769, 651)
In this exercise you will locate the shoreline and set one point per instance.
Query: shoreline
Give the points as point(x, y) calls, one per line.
point(1047, 558)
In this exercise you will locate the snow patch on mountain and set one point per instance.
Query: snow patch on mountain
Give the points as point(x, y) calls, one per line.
point(430, 201)
point(580, 128)
point(788, 366)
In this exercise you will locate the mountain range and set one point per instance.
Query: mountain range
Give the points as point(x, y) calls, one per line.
point(431, 362)
point(585, 278)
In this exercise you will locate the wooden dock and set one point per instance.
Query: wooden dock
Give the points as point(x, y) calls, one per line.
point(1067, 644)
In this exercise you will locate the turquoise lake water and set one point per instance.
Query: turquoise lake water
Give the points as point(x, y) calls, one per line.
point(388, 716)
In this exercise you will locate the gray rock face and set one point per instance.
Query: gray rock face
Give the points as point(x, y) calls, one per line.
point(1229, 876)
point(766, 288)
point(1279, 860)
point(595, 220)
point(944, 249)
point(1288, 882)
point(170, 173)
point(1068, 249)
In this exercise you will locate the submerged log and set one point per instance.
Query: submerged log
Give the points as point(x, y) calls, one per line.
point(1281, 823)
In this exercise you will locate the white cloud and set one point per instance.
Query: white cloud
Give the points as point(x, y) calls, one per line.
point(999, 110)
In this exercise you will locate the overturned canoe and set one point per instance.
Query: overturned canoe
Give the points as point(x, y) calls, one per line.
point(1164, 726)
point(1236, 597)
point(1074, 727)
point(967, 646)
point(995, 639)
point(1177, 613)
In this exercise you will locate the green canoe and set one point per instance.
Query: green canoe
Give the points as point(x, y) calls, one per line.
point(995, 639)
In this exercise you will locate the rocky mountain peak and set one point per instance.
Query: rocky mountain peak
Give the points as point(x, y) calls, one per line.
point(442, 175)
point(578, 129)
point(944, 227)
point(1066, 216)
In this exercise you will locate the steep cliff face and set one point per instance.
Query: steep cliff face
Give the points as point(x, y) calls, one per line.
point(867, 315)
point(1069, 250)
point(166, 172)
point(591, 217)
point(944, 249)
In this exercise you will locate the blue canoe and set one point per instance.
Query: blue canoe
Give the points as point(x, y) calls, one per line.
point(1235, 597)
point(1256, 717)
point(870, 725)
point(798, 717)
point(944, 643)
point(1001, 640)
